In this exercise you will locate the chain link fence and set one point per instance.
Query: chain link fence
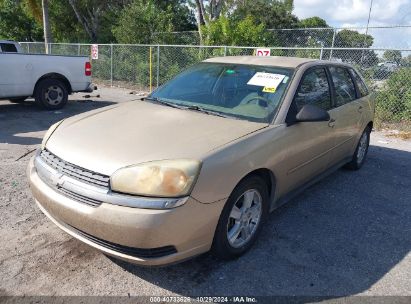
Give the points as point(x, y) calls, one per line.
point(386, 37)
point(142, 67)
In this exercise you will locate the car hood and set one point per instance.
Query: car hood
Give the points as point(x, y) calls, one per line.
point(107, 139)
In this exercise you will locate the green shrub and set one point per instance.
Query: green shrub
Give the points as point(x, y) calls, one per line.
point(394, 99)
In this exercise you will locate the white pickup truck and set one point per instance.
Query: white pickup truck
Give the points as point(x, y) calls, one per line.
point(47, 78)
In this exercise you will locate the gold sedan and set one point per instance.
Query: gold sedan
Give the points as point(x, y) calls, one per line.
point(199, 163)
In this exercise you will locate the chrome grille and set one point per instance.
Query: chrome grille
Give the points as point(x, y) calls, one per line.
point(74, 171)
point(79, 198)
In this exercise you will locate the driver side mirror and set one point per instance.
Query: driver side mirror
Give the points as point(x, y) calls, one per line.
point(312, 113)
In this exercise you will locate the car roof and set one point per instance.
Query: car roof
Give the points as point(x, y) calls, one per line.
point(278, 61)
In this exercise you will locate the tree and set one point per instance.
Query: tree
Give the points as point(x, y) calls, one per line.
point(139, 21)
point(97, 16)
point(353, 39)
point(64, 24)
point(225, 31)
point(312, 22)
point(17, 23)
point(306, 34)
point(274, 14)
point(271, 14)
point(206, 13)
point(393, 55)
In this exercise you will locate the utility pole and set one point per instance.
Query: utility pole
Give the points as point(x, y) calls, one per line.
point(368, 22)
point(46, 25)
point(366, 32)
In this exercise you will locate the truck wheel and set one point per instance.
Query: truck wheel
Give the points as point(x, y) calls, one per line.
point(51, 94)
point(17, 99)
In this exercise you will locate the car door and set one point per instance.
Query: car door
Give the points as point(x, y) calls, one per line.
point(365, 106)
point(346, 113)
point(309, 144)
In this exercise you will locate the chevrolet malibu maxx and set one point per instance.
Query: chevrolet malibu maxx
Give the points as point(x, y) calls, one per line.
point(198, 164)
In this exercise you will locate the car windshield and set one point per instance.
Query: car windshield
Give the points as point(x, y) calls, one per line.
point(235, 90)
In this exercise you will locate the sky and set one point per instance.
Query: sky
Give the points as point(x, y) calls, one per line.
point(354, 13)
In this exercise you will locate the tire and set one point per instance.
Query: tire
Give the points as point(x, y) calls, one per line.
point(361, 151)
point(223, 248)
point(18, 99)
point(51, 94)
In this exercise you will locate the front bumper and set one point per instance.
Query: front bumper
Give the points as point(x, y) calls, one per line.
point(141, 236)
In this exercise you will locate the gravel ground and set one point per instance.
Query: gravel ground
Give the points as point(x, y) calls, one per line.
point(349, 234)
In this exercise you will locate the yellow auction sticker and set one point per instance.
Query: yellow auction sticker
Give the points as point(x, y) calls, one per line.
point(268, 90)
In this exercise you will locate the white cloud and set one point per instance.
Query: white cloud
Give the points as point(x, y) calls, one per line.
point(336, 12)
point(354, 13)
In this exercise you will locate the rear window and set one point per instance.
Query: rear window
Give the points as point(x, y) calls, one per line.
point(360, 83)
point(8, 48)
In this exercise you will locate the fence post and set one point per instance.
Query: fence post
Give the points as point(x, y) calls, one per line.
point(158, 65)
point(332, 43)
point(78, 47)
point(49, 50)
point(111, 65)
point(321, 53)
point(150, 67)
point(28, 47)
point(225, 50)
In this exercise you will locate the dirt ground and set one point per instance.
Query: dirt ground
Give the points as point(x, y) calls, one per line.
point(349, 234)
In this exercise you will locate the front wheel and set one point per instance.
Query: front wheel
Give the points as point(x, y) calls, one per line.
point(361, 151)
point(241, 219)
point(51, 94)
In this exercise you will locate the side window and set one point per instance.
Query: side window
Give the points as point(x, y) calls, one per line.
point(314, 89)
point(344, 87)
point(360, 83)
point(8, 48)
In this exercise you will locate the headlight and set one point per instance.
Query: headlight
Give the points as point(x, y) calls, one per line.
point(48, 133)
point(165, 178)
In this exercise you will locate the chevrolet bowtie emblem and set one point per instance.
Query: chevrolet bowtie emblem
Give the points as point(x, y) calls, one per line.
point(57, 180)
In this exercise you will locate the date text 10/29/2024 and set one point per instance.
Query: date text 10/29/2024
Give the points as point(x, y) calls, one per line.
point(181, 299)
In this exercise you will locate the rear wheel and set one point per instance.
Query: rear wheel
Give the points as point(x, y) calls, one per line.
point(51, 94)
point(17, 99)
point(241, 219)
point(361, 151)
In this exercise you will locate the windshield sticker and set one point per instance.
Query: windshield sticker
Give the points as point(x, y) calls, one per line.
point(268, 90)
point(266, 80)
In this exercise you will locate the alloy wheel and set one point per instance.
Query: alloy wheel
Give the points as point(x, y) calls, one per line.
point(244, 218)
point(362, 147)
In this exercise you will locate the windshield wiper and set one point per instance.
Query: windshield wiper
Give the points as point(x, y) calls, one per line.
point(202, 110)
point(183, 107)
point(160, 101)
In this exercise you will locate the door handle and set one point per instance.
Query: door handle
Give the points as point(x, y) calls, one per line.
point(360, 109)
point(331, 123)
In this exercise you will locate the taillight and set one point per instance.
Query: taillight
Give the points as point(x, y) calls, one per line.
point(87, 69)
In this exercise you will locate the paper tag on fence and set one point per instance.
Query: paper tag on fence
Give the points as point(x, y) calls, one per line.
point(268, 80)
point(94, 51)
